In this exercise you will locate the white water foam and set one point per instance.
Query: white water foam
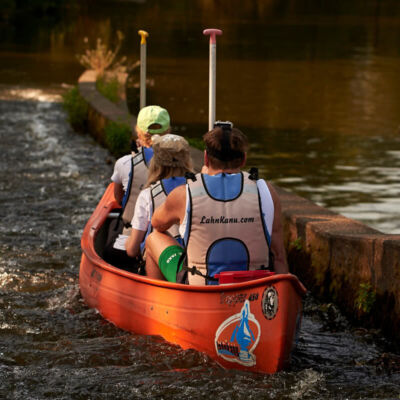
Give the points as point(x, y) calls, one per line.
point(29, 93)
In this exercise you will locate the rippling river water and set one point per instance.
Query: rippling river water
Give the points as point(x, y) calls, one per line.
point(53, 346)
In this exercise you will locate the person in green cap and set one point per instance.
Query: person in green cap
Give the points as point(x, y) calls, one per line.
point(130, 176)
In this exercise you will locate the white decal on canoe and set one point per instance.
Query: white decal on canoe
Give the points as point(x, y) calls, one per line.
point(237, 337)
point(270, 302)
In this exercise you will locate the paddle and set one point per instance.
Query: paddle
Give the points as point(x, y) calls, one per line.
point(143, 35)
point(212, 74)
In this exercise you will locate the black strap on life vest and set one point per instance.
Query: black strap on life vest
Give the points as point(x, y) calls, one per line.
point(193, 270)
point(253, 174)
point(134, 147)
point(190, 175)
point(271, 265)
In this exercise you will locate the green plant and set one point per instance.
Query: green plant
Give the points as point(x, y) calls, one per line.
point(196, 143)
point(76, 107)
point(365, 298)
point(108, 88)
point(111, 72)
point(117, 138)
point(296, 244)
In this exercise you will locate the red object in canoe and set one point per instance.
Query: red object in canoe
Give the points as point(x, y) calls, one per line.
point(250, 325)
point(241, 276)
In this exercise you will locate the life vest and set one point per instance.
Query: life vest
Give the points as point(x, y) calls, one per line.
point(159, 192)
point(137, 178)
point(225, 229)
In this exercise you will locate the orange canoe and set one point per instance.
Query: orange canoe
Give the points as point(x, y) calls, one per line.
point(249, 325)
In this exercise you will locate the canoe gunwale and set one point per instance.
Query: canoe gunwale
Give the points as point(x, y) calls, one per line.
point(203, 318)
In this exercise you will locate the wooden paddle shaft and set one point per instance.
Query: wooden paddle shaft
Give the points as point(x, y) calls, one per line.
point(212, 74)
point(143, 61)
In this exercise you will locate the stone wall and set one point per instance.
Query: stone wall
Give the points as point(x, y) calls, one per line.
point(345, 261)
point(102, 110)
point(336, 258)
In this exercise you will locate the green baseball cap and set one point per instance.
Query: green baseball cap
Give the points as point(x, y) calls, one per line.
point(153, 115)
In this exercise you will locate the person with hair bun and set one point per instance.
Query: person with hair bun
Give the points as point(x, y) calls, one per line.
point(229, 220)
point(170, 163)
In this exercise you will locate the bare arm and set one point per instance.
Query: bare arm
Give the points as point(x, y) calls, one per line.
point(172, 211)
point(132, 244)
point(277, 245)
point(118, 192)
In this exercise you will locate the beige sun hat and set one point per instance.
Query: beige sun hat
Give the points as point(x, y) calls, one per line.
point(171, 150)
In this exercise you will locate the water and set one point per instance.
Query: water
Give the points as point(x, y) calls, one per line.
point(315, 85)
point(53, 346)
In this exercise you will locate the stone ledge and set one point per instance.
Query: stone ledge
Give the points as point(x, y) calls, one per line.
point(333, 255)
point(102, 110)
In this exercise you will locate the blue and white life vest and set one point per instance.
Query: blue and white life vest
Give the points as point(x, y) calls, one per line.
point(137, 178)
point(226, 230)
point(159, 192)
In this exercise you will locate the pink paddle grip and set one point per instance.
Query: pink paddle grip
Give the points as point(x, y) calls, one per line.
point(212, 33)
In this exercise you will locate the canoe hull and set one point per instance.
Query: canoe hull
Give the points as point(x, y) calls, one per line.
point(249, 325)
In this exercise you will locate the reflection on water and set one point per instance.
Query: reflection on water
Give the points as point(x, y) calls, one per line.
point(359, 179)
point(314, 84)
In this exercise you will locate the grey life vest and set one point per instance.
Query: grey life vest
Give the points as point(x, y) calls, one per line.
point(159, 192)
point(137, 178)
point(226, 229)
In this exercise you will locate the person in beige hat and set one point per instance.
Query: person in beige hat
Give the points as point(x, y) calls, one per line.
point(130, 175)
point(170, 163)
